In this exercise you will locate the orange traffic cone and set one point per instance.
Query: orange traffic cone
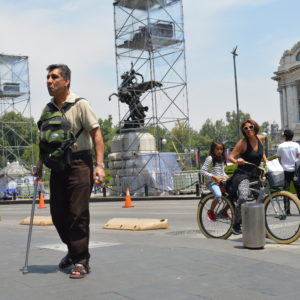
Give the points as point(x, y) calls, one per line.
point(42, 202)
point(128, 202)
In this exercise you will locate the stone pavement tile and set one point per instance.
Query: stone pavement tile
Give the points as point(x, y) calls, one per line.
point(261, 280)
point(233, 292)
point(159, 291)
point(110, 296)
point(266, 278)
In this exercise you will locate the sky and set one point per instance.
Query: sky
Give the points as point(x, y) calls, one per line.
point(80, 33)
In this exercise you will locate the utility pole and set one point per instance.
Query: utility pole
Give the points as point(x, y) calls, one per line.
point(234, 54)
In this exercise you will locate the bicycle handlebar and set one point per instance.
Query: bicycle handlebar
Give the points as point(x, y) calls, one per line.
point(252, 164)
point(262, 170)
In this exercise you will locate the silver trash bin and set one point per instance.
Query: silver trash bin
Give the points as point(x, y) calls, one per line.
point(253, 222)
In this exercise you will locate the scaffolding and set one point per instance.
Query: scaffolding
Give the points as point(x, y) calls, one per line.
point(15, 111)
point(149, 42)
point(149, 34)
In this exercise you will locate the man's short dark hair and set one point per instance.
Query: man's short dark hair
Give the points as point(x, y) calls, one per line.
point(64, 69)
point(288, 134)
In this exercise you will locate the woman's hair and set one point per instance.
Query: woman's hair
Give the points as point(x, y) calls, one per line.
point(252, 122)
point(215, 159)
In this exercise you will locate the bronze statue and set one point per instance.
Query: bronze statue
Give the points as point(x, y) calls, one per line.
point(130, 92)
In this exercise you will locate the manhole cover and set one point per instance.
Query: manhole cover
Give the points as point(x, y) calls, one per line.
point(184, 232)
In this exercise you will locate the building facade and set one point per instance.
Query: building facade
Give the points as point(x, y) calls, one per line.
point(288, 78)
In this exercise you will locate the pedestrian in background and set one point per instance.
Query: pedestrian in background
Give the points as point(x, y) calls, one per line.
point(70, 188)
point(288, 152)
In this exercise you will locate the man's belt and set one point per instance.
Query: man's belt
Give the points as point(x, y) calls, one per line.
point(81, 154)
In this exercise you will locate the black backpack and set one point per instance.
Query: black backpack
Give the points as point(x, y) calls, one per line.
point(56, 137)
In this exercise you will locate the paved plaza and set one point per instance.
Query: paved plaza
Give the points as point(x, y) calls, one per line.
point(174, 263)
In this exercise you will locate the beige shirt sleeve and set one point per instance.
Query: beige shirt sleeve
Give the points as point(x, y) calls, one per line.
point(82, 115)
point(88, 118)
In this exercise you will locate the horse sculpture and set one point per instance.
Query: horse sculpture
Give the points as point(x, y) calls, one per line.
point(130, 92)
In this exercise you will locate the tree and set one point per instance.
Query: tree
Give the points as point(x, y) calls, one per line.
point(17, 136)
point(181, 136)
point(108, 132)
point(265, 127)
point(208, 129)
point(217, 131)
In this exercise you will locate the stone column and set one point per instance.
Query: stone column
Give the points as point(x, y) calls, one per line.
point(285, 114)
point(282, 107)
point(294, 104)
point(296, 101)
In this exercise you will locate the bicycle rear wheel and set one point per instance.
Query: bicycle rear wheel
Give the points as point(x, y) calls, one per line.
point(224, 212)
point(281, 226)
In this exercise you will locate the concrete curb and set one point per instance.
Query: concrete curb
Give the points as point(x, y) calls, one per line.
point(111, 199)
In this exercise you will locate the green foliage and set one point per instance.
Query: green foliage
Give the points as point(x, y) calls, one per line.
point(20, 131)
point(216, 132)
point(30, 155)
point(108, 132)
point(208, 129)
point(181, 136)
point(271, 157)
point(229, 169)
point(265, 127)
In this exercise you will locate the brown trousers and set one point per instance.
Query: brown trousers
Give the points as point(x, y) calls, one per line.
point(70, 192)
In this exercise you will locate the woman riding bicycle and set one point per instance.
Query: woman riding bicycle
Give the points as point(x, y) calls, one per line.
point(213, 172)
point(249, 149)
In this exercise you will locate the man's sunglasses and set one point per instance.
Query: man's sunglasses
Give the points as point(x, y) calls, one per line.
point(251, 127)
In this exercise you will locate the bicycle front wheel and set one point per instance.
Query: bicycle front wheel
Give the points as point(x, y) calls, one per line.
point(221, 228)
point(282, 217)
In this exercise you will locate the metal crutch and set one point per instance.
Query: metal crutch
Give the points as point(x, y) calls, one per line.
point(25, 268)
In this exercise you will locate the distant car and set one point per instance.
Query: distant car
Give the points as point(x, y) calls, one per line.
point(19, 187)
point(9, 194)
point(25, 181)
point(25, 186)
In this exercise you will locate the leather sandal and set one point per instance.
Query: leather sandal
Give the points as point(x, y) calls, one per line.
point(65, 262)
point(79, 271)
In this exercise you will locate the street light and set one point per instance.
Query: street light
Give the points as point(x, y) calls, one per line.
point(234, 54)
point(163, 143)
point(266, 143)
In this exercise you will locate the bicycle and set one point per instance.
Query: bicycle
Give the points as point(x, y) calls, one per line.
point(282, 226)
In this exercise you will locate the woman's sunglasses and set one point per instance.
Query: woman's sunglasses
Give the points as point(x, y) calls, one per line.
point(251, 127)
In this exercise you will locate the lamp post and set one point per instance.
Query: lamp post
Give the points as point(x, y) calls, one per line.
point(192, 156)
point(266, 143)
point(234, 54)
point(163, 144)
point(198, 158)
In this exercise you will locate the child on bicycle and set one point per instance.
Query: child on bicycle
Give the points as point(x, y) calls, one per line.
point(214, 173)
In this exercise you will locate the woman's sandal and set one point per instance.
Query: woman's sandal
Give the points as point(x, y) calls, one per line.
point(65, 262)
point(79, 271)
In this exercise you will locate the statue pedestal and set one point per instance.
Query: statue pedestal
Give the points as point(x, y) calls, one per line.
point(136, 164)
point(127, 163)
